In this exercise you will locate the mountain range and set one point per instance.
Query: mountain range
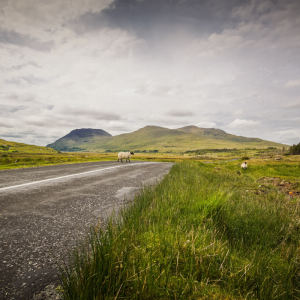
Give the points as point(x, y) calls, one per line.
point(157, 138)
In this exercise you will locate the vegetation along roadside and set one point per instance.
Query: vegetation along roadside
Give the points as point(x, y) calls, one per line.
point(28, 160)
point(34, 156)
point(204, 232)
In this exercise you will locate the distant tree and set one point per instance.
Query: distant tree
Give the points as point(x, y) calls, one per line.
point(295, 149)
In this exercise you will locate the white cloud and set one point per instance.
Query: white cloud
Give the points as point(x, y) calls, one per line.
point(243, 124)
point(294, 106)
point(291, 134)
point(114, 79)
point(205, 124)
point(44, 19)
point(293, 83)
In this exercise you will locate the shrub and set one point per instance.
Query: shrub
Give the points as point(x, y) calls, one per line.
point(245, 158)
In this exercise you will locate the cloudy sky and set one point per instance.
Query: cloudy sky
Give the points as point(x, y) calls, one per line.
point(124, 64)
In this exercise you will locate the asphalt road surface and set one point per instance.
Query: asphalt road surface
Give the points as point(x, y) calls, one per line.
point(45, 210)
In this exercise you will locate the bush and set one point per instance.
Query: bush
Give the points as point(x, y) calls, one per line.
point(245, 158)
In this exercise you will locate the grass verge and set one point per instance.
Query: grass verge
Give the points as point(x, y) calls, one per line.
point(199, 234)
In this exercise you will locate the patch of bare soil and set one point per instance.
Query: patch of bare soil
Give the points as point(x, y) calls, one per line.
point(283, 186)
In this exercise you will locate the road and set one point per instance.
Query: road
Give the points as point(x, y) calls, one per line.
point(45, 210)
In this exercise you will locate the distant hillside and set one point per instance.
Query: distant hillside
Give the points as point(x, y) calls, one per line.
point(218, 134)
point(83, 136)
point(161, 139)
point(14, 147)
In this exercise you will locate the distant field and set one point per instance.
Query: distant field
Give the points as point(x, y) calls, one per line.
point(26, 160)
point(207, 231)
point(11, 160)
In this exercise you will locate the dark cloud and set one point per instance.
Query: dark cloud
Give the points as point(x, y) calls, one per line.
point(15, 38)
point(154, 19)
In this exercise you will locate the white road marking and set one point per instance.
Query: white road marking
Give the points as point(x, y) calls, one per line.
point(66, 176)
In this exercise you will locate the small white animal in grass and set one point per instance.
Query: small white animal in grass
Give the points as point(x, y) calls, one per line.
point(244, 165)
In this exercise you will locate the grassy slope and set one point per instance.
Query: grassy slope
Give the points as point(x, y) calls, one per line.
point(202, 233)
point(218, 134)
point(164, 139)
point(25, 148)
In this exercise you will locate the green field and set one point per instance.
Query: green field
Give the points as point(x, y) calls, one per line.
point(13, 160)
point(207, 231)
point(16, 160)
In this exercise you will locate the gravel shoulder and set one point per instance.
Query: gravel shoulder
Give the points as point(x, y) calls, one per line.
point(40, 222)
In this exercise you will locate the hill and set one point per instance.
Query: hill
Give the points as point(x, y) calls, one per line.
point(14, 147)
point(79, 139)
point(161, 139)
point(218, 134)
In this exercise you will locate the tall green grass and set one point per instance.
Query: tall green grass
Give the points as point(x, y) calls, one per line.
point(199, 234)
point(274, 169)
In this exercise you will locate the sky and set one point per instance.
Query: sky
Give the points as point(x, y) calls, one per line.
point(121, 65)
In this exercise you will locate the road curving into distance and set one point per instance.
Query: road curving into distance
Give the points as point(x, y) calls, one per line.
point(45, 210)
